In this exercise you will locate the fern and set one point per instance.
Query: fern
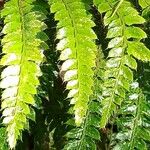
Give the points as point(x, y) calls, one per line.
point(22, 57)
point(133, 123)
point(86, 136)
point(77, 51)
point(124, 47)
point(81, 99)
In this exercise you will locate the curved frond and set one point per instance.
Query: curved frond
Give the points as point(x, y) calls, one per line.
point(77, 52)
point(121, 19)
point(22, 58)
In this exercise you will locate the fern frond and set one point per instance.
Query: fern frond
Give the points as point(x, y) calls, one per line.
point(133, 122)
point(86, 136)
point(77, 51)
point(22, 58)
point(144, 3)
point(124, 46)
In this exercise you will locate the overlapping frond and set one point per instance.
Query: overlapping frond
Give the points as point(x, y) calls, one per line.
point(121, 19)
point(86, 136)
point(21, 61)
point(133, 122)
point(77, 52)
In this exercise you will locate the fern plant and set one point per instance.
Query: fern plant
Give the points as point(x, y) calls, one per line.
point(75, 74)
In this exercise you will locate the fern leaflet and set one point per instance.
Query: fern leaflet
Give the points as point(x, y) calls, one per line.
point(145, 4)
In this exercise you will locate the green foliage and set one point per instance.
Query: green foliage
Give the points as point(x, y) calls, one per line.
point(86, 136)
point(22, 57)
point(76, 43)
point(124, 47)
point(3, 145)
point(68, 72)
point(133, 123)
point(144, 3)
point(145, 6)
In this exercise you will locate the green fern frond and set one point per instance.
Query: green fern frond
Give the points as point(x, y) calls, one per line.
point(86, 136)
point(77, 51)
point(22, 58)
point(124, 46)
point(133, 122)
